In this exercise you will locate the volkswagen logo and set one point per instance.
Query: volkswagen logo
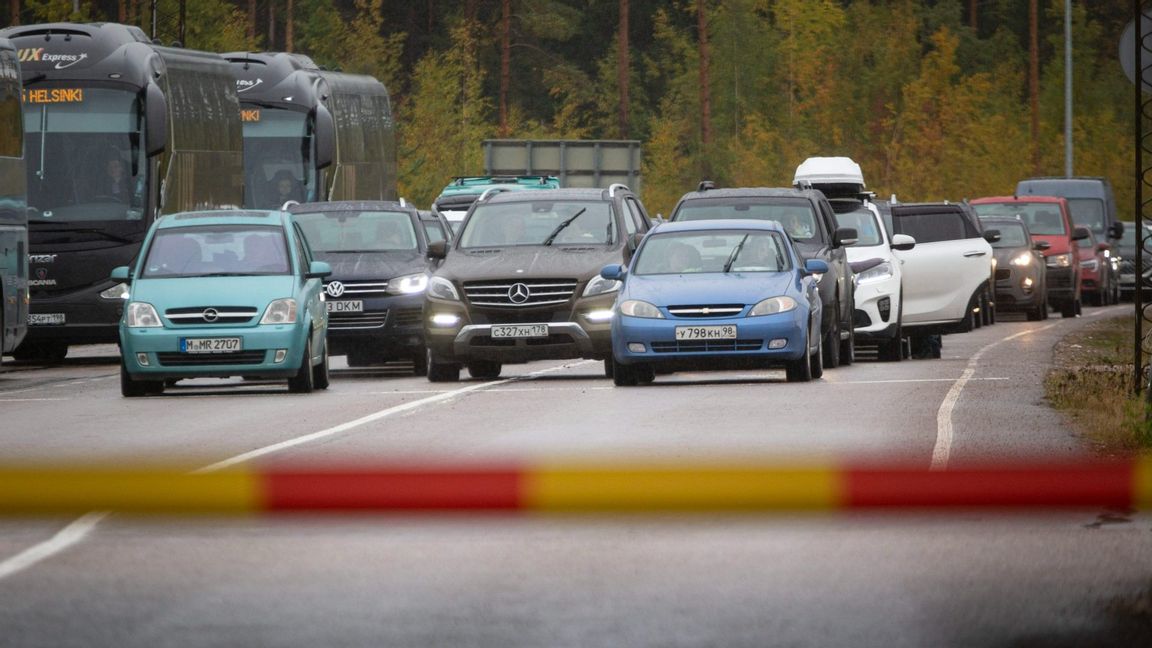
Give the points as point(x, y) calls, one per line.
point(334, 288)
point(210, 314)
point(518, 293)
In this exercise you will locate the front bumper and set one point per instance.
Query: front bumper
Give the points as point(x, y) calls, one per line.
point(1018, 288)
point(88, 317)
point(390, 325)
point(257, 357)
point(877, 309)
point(1062, 285)
point(750, 348)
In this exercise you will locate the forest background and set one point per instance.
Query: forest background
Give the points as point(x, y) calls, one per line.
point(936, 99)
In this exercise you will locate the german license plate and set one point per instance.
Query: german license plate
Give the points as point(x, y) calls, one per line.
point(210, 345)
point(45, 319)
point(706, 332)
point(520, 331)
point(350, 306)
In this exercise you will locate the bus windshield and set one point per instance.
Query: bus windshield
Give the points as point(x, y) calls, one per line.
point(85, 162)
point(277, 157)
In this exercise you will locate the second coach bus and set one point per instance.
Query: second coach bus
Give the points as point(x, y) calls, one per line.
point(13, 206)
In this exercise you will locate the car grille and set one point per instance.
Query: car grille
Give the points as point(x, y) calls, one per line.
point(540, 292)
point(350, 321)
point(489, 341)
point(707, 310)
point(361, 288)
point(224, 315)
point(176, 359)
point(1127, 266)
point(408, 317)
point(704, 346)
point(1003, 273)
point(1059, 279)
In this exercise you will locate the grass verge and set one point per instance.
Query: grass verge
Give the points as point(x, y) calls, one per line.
point(1092, 383)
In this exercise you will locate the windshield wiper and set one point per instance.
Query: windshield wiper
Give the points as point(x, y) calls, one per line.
point(735, 253)
point(561, 226)
point(86, 230)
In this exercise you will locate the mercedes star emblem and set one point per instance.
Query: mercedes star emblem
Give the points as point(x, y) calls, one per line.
point(518, 293)
point(334, 288)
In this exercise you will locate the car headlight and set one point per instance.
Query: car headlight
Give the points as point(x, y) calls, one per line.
point(599, 286)
point(772, 306)
point(119, 291)
point(1060, 260)
point(1022, 260)
point(280, 311)
point(875, 274)
point(408, 284)
point(141, 315)
point(637, 308)
point(441, 288)
point(1090, 264)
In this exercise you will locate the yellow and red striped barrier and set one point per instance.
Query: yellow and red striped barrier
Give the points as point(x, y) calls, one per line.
point(573, 486)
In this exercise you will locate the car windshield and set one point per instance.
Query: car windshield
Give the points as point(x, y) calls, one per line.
point(713, 251)
point(1088, 212)
point(567, 222)
point(1012, 235)
point(217, 250)
point(1041, 218)
point(865, 223)
point(795, 214)
point(358, 231)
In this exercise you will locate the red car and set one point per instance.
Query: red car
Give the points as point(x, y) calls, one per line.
point(1096, 276)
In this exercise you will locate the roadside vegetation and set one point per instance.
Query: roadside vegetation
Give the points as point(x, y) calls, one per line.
point(1092, 382)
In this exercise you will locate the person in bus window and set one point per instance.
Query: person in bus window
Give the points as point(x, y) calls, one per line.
point(286, 187)
point(114, 184)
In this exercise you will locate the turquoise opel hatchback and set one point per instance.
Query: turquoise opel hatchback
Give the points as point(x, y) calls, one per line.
point(223, 293)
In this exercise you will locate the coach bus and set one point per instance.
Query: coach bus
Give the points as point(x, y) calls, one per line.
point(118, 132)
point(311, 134)
point(13, 206)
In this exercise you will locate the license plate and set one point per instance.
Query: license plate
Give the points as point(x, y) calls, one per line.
point(209, 345)
point(706, 332)
point(351, 306)
point(45, 319)
point(520, 331)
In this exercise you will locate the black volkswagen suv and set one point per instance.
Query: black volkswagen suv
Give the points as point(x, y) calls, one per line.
point(521, 280)
point(810, 221)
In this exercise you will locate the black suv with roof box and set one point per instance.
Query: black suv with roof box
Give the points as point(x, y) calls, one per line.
point(809, 220)
point(521, 280)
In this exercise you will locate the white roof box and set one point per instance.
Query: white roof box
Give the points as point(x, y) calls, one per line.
point(838, 171)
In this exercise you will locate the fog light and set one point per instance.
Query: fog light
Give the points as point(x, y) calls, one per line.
point(445, 319)
point(636, 347)
point(884, 305)
point(1027, 282)
point(599, 315)
point(142, 358)
point(280, 355)
point(778, 343)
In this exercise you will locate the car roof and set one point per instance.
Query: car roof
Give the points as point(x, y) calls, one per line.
point(719, 224)
point(222, 217)
point(548, 194)
point(352, 205)
point(754, 192)
point(1013, 199)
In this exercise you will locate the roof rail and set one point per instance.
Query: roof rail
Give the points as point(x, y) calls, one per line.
point(893, 200)
point(705, 185)
point(804, 184)
point(288, 204)
point(490, 191)
point(403, 203)
point(613, 187)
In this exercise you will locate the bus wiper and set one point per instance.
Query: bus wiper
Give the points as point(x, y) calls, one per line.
point(86, 230)
point(561, 226)
point(735, 253)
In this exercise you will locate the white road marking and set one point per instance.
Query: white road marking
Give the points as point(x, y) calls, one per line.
point(908, 380)
point(29, 400)
point(80, 528)
point(943, 448)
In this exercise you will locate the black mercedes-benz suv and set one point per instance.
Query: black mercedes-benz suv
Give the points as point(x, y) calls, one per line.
point(521, 280)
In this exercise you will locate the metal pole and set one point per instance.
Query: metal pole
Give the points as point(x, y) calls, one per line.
point(154, 2)
point(1068, 88)
point(183, 15)
point(1138, 119)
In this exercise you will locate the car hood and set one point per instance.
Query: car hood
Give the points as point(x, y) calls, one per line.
point(187, 292)
point(379, 266)
point(528, 262)
point(708, 288)
point(1004, 255)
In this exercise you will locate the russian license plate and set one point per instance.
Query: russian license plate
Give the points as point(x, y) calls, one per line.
point(350, 306)
point(210, 345)
point(520, 331)
point(706, 332)
point(45, 319)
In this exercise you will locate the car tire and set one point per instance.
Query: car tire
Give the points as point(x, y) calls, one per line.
point(1068, 308)
point(420, 364)
point(625, 376)
point(645, 374)
point(441, 371)
point(609, 367)
point(816, 363)
point(892, 350)
point(831, 343)
point(485, 369)
point(135, 388)
point(988, 310)
point(321, 377)
point(302, 382)
point(1036, 313)
point(42, 352)
point(848, 347)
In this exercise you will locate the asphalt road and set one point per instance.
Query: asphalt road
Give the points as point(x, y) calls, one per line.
point(958, 578)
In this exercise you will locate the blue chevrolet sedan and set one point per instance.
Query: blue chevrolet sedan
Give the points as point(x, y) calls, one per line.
point(220, 294)
point(717, 294)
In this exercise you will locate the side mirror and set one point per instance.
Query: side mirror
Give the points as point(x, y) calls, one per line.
point(844, 236)
point(121, 273)
point(1116, 230)
point(992, 235)
point(1041, 246)
point(437, 250)
point(903, 242)
point(325, 133)
point(614, 272)
point(1079, 233)
point(318, 270)
point(816, 266)
point(156, 121)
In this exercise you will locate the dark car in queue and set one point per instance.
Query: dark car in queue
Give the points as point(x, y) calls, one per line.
point(1098, 281)
point(521, 280)
point(375, 296)
point(809, 220)
point(1021, 274)
point(1126, 252)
